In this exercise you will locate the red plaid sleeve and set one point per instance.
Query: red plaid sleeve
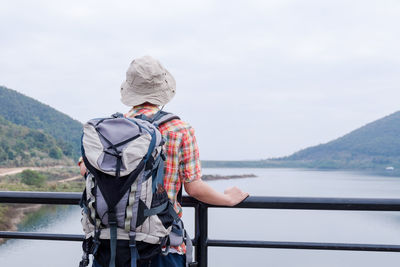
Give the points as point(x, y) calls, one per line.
point(189, 161)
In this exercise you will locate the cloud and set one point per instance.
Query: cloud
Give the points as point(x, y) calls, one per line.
point(272, 76)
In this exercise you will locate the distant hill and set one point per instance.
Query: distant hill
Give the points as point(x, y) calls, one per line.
point(21, 146)
point(373, 146)
point(25, 111)
point(238, 164)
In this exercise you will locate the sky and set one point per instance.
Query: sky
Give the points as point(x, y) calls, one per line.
point(256, 79)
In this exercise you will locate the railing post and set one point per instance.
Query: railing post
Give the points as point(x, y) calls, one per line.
point(201, 223)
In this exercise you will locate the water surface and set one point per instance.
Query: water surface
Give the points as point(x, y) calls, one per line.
point(273, 225)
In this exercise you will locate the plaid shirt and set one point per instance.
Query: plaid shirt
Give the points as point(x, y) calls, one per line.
point(182, 164)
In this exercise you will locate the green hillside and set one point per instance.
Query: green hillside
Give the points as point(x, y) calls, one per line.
point(25, 111)
point(373, 146)
point(21, 146)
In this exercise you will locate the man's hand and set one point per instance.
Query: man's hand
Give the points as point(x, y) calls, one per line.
point(83, 168)
point(235, 195)
point(205, 193)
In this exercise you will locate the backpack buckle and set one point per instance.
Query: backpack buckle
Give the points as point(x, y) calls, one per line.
point(132, 241)
point(162, 155)
point(112, 218)
point(117, 115)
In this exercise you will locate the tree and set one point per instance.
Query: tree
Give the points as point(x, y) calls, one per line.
point(55, 153)
point(31, 177)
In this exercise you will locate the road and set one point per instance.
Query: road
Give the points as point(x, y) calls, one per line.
point(10, 171)
point(70, 179)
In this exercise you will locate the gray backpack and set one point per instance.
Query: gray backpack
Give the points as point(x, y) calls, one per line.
point(124, 202)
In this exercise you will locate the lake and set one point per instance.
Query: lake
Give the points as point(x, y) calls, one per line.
point(272, 225)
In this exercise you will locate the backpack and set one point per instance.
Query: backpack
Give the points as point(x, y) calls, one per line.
point(124, 200)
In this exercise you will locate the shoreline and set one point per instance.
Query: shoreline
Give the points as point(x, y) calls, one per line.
point(212, 177)
point(17, 213)
point(21, 212)
point(11, 215)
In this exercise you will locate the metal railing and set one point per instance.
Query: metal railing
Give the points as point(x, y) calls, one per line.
point(201, 240)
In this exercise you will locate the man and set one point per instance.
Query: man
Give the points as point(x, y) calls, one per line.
point(148, 86)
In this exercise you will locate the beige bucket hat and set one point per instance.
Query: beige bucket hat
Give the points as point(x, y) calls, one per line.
point(147, 81)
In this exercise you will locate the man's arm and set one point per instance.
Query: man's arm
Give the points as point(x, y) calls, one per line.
point(203, 192)
point(190, 174)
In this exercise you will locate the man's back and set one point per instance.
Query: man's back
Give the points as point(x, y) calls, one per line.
point(182, 163)
point(148, 86)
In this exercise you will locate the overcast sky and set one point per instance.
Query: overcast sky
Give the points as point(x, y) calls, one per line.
point(256, 79)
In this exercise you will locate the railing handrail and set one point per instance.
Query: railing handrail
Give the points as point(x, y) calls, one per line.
point(201, 239)
point(252, 202)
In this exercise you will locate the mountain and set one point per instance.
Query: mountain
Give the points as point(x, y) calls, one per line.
point(25, 111)
point(22, 146)
point(373, 146)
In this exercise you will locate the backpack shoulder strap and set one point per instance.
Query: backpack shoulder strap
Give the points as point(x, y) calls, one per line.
point(162, 117)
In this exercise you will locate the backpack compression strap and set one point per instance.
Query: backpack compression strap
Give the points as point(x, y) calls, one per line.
point(159, 118)
point(162, 117)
